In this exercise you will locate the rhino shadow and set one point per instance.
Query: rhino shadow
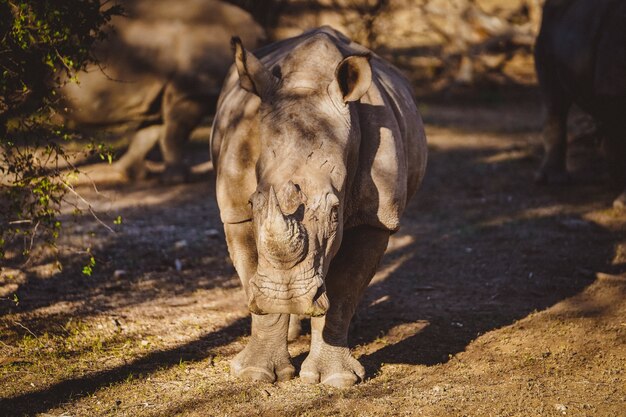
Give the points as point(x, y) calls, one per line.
point(137, 247)
point(39, 401)
point(460, 266)
point(486, 268)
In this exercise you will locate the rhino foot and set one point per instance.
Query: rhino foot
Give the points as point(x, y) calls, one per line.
point(135, 171)
point(620, 202)
point(332, 365)
point(261, 362)
point(552, 177)
point(175, 174)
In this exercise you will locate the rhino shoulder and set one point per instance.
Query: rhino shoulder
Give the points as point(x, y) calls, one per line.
point(235, 150)
point(392, 155)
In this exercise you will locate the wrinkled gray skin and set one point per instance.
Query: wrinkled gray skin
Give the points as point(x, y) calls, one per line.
point(162, 67)
point(580, 58)
point(318, 146)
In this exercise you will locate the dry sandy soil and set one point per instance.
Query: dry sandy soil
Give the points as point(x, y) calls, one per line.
point(496, 298)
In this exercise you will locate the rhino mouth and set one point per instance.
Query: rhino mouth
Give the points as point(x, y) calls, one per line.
point(305, 295)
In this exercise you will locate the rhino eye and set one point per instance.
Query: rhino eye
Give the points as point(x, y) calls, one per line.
point(256, 201)
point(277, 72)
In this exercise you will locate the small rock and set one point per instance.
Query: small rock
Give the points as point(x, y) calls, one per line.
point(178, 265)
point(144, 343)
point(574, 224)
point(181, 244)
point(118, 325)
point(212, 233)
point(120, 274)
point(561, 408)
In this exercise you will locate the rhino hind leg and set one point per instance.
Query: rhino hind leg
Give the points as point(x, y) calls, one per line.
point(330, 361)
point(132, 163)
point(265, 358)
point(182, 113)
point(614, 147)
point(295, 327)
point(554, 166)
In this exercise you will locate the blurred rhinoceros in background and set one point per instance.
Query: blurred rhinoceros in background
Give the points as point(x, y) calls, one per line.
point(162, 66)
point(580, 58)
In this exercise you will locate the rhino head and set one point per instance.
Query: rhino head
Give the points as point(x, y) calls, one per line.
point(309, 137)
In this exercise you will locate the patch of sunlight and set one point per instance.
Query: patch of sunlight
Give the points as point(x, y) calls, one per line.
point(607, 216)
point(398, 242)
point(385, 272)
point(396, 335)
point(61, 307)
point(554, 210)
point(105, 201)
point(45, 271)
point(446, 138)
point(505, 156)
point(10, 280)
point(379, 300)
point(620, 254)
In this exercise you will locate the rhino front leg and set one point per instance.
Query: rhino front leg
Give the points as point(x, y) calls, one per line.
point(265, 357)
point(330, 361)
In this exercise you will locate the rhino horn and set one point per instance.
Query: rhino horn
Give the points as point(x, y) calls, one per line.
point(275, 222)
point(282, 240)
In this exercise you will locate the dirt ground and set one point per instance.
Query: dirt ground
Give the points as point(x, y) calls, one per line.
point(497, 297)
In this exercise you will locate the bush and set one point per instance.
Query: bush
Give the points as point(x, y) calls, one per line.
point(43, 43)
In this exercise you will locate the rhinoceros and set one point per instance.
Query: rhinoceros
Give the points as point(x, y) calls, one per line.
point(161, 69)
point(580, 57)
point(318, 147)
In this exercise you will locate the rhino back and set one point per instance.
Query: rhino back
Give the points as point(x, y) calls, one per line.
point(581, 49)
point(157, 42)
point(610, 68)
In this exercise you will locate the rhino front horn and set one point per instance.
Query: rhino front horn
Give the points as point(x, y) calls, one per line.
point(282, 239)
point(275, 221)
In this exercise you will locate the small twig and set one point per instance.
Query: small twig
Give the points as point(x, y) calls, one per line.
point(69, 70)
point(93, 183)
point(30, 246)
point(32, 237)
point(93, 213)
point(29, 331)
point(108, 77)
point(20, 221)
point(7, 346)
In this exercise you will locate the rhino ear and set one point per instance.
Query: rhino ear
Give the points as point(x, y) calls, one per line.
point(354, 75)
point(253, 76)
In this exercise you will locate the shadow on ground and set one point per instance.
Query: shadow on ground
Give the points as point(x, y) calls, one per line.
point(480, 247)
